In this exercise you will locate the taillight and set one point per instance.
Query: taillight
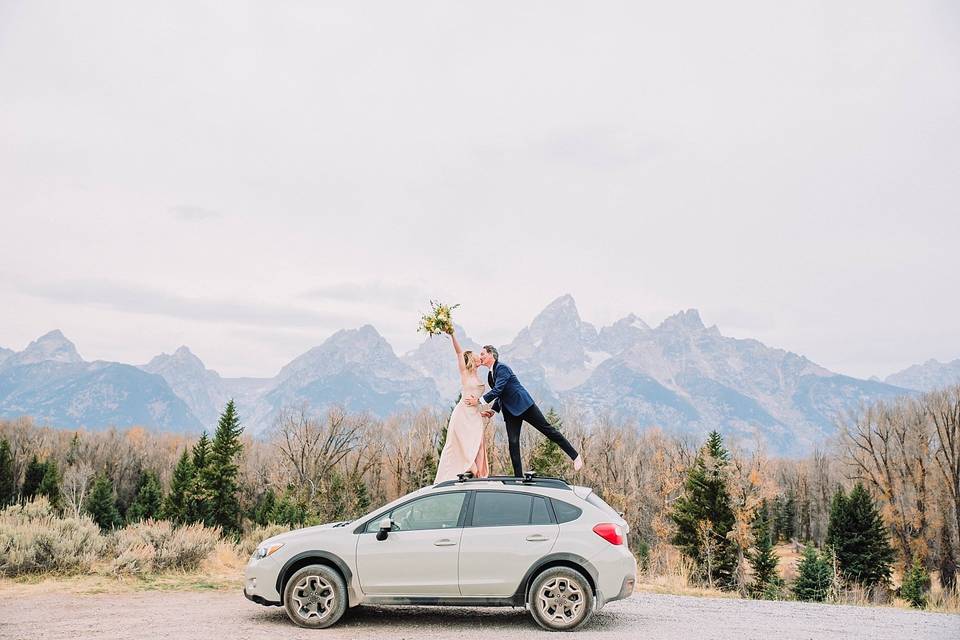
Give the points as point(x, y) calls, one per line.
point(609, 532)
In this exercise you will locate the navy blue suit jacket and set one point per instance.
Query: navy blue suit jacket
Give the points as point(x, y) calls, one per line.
point(506, 392)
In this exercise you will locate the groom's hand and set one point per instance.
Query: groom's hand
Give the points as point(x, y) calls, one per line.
point(471, 401)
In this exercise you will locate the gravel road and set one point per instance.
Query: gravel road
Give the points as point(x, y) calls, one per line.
point(206, 615)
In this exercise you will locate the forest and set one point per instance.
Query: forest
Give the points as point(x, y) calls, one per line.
point(871, 516)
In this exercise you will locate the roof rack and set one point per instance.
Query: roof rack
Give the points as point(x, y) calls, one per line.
point(529, 478)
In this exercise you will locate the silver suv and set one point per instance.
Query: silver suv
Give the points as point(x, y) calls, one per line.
point(540, 543)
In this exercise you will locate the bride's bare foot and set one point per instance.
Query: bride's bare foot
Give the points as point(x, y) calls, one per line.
point(578, 463)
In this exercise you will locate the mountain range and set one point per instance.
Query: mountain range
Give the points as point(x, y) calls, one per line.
point(680, 375)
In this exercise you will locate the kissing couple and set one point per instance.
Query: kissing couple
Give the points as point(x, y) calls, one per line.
point(464, 450)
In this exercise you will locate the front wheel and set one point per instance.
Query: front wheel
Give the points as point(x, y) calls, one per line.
point(315, 597)
point(561, 599)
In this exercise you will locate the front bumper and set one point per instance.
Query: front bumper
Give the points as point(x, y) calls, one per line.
point(260, 582)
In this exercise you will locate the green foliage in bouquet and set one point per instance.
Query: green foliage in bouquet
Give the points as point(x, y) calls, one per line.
point(438, 320)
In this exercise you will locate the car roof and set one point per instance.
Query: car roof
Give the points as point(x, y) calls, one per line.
point(529, 481)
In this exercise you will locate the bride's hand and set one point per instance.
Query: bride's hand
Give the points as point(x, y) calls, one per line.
point(487, 414)
point(471, 401)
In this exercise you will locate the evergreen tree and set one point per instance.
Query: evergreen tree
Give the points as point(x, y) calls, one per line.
point(196, 494)
point(8, 482)
point(289, 511)
point(787, 516)
point(32, 478)
point(763, 560)
point(916, 584)
point(219, 475)
point(361, 496)
point(948, 564)
point(73, 453)
point(704, 517)
point(859, 538)
point(50, 484)
point(263, 509)
point(336, 505)
point(176, 504)
point(814, 576)
point(547, 458)
point(148, 501)
point(101, 503)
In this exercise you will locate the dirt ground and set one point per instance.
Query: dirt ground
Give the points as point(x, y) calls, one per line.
point(186, 615)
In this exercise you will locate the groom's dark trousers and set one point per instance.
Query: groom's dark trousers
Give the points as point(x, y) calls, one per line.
point(535, 418)
point(508, 395)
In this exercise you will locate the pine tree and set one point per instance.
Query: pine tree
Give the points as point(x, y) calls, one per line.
point(335, 508)
point(73, 453)
point(763, 560)
point(50, 484)
point(704, 517)
point(148, 501)
point(814, 576)
point(289, 511)
point(787, 516)
point(264, 507)
point(361, 495)
point(219, 476)
point(101, 503)
point(196, 495)
point(548, 459)
point(859, 538)
point(32, 478)
point(916, 584)
point(8, 482)
point(175, 506)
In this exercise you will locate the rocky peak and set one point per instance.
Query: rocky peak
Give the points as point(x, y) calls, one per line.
point(182, 360)
point(52, 346)
point(685, 321)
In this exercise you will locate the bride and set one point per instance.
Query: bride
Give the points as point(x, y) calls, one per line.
point(464, 450)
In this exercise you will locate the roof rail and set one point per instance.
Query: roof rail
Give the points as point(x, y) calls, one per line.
point(529, 478)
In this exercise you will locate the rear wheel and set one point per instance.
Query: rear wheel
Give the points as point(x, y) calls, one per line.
point(561, 599)
point(315, 597)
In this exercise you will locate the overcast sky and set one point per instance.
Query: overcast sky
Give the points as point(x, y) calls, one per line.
point(247, 178)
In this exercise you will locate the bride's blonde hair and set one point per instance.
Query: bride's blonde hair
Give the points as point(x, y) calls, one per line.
point(468, 360)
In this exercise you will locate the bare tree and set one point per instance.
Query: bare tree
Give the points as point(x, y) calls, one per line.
point(945, 413)
point(76, 482)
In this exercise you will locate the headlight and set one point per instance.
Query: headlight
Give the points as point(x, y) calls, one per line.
point(263, 552)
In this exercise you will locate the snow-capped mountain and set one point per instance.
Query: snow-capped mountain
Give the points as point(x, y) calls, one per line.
point(680, 375)
point(928, 376)
point(51, 382)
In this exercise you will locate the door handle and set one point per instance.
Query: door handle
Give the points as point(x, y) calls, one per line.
point(536, 537)
point(444, 542)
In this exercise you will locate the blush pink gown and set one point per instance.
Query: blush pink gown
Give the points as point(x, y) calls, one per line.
point(464, 447)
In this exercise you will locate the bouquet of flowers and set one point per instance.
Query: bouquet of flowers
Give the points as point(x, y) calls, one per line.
point(438, 320)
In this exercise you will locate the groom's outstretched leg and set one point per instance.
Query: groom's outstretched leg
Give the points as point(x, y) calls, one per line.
point(513, 440)
point(535, 417)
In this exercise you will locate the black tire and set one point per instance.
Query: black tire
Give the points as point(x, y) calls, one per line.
point(315, 597)
point(560, 599)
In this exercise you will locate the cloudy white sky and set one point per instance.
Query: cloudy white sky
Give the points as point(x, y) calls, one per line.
point(248, 177)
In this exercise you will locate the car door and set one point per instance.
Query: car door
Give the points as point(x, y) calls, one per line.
point(419, 557)
point(505, 533)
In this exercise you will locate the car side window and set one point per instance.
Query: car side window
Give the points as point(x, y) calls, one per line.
point(439, 511)
point(502, 508)
point(565, 511)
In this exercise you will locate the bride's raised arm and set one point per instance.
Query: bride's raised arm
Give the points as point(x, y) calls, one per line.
point(456, 347)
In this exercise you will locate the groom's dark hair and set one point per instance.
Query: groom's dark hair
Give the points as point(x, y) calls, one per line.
point(489, 348)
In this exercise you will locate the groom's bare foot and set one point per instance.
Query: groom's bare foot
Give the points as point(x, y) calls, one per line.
point(578, 463)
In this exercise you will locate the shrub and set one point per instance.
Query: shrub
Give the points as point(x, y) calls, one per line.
point(252, 539)
point(916, 584)
point(154, 546)
point(34, 540)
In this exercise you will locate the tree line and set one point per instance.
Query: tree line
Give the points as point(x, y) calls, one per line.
point(883, 496)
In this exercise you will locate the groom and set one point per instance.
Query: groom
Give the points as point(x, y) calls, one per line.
point(508, 394)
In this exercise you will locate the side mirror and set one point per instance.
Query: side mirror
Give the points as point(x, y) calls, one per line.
point(385, 526)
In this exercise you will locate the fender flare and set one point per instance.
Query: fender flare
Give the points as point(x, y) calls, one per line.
point(520, 595)
point(319, 555)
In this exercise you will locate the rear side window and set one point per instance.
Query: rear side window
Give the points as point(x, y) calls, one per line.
point(565, 511)
point(502, 509)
